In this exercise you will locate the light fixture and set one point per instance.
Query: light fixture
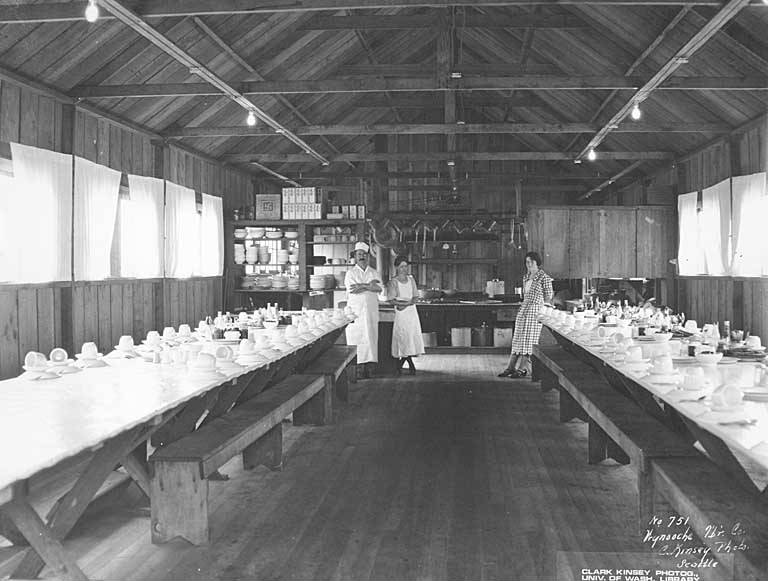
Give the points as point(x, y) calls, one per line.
point(591, 156)
point(251, 119)
point(279, 130)
point(326, 163)
point(92, 11)
point(577, 161)
point(456, 75)
point(636, 112)
point(451, 163)
point(460, 122)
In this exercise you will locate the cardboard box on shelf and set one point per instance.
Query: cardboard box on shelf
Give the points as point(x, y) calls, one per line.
point(360, 212)
point(268, 207)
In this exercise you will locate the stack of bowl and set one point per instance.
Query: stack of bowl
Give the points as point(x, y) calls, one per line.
point(239, 253)
point(317, 282)
point(252, 254)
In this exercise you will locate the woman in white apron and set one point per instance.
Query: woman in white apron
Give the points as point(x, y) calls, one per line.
point(363, 288)
point(407, 341)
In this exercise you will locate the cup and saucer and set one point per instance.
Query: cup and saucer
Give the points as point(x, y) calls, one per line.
point(663, 372)
point(36, 366)
point(89, 356)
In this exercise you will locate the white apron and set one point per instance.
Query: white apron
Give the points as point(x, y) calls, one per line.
point(364, 331)
point(406, 332)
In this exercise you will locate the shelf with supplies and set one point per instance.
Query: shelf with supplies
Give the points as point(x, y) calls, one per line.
point(280, 256)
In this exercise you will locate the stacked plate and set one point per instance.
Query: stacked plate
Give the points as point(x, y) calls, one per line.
point(240, 233)
point(263, 281)
point(279, 282)
point(252, 254)
point(317, 282)
point(239, 253)
point(293, 283)
point(282, 256)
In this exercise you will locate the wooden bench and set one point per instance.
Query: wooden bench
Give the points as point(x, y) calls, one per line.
point(618, 428)
point(339, 364)
point(179, 485)
point(703, 492)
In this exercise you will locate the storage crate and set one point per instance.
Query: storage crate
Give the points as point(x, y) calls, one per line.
point(268, 206)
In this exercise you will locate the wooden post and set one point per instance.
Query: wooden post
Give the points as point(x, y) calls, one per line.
point(318, 410)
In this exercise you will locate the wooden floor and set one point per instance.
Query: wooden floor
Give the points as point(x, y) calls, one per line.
point(448, 474)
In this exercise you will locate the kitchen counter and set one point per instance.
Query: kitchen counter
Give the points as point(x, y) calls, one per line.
point(439, 316)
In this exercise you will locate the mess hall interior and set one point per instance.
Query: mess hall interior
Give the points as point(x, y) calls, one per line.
point(214, 217)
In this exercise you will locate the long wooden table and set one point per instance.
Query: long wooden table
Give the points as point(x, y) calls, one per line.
point(112, 411)
point(727, 445)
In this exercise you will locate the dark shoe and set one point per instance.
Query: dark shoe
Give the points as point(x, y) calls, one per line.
point(518, 373)
point(506, 373)
point(411, 366)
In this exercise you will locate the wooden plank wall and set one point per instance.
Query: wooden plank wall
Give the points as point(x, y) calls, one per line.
point(40, 317)
point(742, 301)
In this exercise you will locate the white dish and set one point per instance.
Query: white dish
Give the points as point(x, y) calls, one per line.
point(41, 369)
point(727, 409)
point(88, 358)
point(755, 395)
point(227, 341)
point(728, 361)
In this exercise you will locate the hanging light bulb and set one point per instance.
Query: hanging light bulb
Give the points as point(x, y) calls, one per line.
point(636, 112)
point(251, 119)
point(92, 11)
point(591, 156)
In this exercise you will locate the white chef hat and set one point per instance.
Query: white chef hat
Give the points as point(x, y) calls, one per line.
point(362, 246)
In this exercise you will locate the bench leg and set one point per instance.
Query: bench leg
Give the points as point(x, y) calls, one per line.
point(569, 408)
point(341, 387)
point(548, 381)
point(179, 503)
point(601, 446)
point(318, 410)
point(267, 450)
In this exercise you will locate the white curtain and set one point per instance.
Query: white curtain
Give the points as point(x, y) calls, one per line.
point(211, 237)
point(12, 225)
point(690, 257)
point(43, 179)
point(182, 227)
point(750, 208)
point(97, 189)
point(715, 227)
point(141, 228)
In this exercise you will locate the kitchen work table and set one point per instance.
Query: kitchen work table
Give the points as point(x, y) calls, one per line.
point(111, 412)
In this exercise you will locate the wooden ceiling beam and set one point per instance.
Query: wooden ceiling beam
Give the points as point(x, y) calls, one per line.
point(446, 156)
point(376, 85)
point(65, 12)
point(447, 129)
point(726, 13)
point(427, 70)
point(136, 23)
point(473, 175)
point(381, 22)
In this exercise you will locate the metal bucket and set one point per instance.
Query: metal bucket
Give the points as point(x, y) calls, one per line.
point(430, 339)
point(482, 336)
point(461, 337)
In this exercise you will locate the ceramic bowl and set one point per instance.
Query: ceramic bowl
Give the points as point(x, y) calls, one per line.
point(709, 358)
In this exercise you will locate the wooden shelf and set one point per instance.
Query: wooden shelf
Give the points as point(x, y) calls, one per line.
point(281, 223)
point(456, 261)
point(333, 243)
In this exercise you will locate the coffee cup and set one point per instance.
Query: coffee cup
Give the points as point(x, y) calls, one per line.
point(35, 360)
point(634, 353)
point(674, 347)
point(727, 396)
point(663, 364)
point(89, 350)
point(753, 342)
point(58, 355)
point(691, 326)
point(125, 343)
point(694, 378)
point(245, 347)
point(153, 338)
point(185, 330)
point(223, 353)
point(169, 333)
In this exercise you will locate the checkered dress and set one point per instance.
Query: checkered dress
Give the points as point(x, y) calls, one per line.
point(527, 327)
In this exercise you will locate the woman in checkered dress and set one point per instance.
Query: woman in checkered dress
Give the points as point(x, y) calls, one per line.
point(537, 289)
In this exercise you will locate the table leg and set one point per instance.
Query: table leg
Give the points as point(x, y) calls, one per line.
point(42, 541)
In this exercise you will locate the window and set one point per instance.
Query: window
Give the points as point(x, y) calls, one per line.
point(211, 237)
point(750, 207)
point(690, 255)
point(141, 228)
point(97, 188)
point(182, 231)
point(36, 217)
point(715, 228)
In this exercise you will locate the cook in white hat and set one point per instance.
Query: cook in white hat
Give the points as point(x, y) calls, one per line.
point(363, 287)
